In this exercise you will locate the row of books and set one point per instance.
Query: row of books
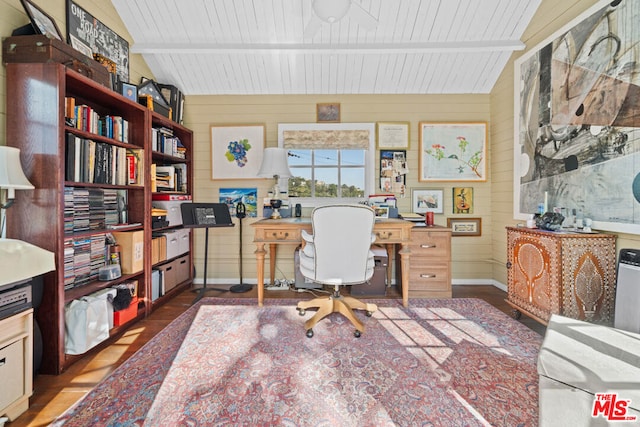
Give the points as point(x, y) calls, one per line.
point(169, 178)
point(164, 141)
point(82, 259)
point(93, 208)
point(85, 118)
point(101, 163)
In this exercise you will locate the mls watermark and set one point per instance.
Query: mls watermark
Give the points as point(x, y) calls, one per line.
point(610, 407)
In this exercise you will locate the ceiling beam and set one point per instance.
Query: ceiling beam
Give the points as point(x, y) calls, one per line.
point(373, 48)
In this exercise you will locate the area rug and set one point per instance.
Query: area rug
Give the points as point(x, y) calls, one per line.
point(450, 362)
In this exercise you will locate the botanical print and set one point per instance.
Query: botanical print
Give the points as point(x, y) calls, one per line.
point(453, 151)
point(236, 151)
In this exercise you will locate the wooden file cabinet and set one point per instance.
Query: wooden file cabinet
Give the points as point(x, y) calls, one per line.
point(430, 268)
point(562, 273)
point(16, 363)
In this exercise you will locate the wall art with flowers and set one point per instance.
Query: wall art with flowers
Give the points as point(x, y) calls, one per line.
point(453, 151)
point(236, 150)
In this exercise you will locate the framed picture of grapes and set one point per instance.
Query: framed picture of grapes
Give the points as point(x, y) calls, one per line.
point(236, 150)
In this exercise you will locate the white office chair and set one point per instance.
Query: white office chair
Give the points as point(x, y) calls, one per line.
point(338, 253)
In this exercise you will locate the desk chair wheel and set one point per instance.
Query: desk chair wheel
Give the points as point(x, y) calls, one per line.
point(369, 313)
point(309, 333)
point(301, 311)
point(357, 333)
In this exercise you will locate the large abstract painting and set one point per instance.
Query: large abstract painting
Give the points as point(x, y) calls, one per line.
point(577, 120)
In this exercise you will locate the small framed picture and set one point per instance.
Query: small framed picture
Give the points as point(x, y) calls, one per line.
point(41, 22)
point(465, 226)
point(462, 200)
point(393, 135)
point(129, 91)
point(381, 211)
point(427, 200)
point(328, 112)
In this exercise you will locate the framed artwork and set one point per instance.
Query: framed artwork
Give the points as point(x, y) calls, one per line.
point(84, 29)
point(576, 120)
point(381, 211)
point(236, 150)
point(453, 151)
point(462, 200)
point(427, 200)
point(129, 91)
point(393, 135)
point(328, 112)
point(41, 22)
point(393, 171)
point(248, 196)
point(465, 226)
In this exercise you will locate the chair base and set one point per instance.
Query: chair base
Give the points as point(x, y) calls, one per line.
point(336, 304)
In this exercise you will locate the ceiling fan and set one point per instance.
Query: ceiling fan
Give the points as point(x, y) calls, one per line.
point(330, 11)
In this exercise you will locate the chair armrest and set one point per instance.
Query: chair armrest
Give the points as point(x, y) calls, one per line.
point(306, 236)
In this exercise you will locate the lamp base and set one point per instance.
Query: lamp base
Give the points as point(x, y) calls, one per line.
point(275, 214)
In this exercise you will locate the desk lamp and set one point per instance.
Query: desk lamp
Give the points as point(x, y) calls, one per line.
point(275, 165)
point(12, 178)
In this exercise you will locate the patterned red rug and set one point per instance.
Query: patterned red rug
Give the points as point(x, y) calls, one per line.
point(456, 362)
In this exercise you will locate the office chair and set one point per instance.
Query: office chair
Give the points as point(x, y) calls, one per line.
point(337, 254)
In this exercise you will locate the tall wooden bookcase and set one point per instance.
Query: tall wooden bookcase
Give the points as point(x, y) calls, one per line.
point(36, 101)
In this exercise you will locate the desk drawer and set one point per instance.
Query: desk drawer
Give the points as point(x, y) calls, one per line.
point(426, 276)
point(430, 244)
point(279, 235)
point(391, 234)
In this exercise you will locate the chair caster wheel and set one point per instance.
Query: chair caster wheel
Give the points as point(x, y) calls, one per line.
point(301, 311)
point(310, 333)
point(369, 313)
point(357, 333)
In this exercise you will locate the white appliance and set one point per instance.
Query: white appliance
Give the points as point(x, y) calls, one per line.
point(627, 315)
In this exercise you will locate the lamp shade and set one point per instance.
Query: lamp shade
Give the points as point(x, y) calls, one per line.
point(274, 163)
point(11, 175)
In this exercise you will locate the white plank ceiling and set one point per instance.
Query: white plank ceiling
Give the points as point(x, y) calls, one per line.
point(260, 46)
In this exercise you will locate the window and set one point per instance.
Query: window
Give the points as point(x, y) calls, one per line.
point(329, 161)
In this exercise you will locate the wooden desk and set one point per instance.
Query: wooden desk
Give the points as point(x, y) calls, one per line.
point(274, 232)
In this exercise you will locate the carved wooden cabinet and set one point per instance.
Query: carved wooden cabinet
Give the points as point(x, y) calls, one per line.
point(564, 273)
point(430, 267)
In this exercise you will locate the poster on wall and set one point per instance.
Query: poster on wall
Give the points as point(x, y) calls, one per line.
point(577, 119)
point(87, 34)
point(248, 196)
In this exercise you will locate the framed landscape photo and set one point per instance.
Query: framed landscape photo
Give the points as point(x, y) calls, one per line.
point(328, 112)
point(393, 135)
point(427, 200)
point(41, 22)
point(453, 151)
point(465, 226)
point(236, 150)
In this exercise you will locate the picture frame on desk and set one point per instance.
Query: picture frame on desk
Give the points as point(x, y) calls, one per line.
point(42, 23)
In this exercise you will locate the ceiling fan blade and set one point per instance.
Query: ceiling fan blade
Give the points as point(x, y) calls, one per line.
point(362, 17)
point(312, 27)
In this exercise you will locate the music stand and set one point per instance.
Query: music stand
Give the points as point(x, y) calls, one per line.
point(205, 215)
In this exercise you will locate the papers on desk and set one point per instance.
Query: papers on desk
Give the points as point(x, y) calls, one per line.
point(410, 216)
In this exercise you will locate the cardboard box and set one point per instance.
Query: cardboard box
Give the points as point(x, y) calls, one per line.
point(183, 269)
point(131, 250)
point(168, 278)
point(123, 316)
point(158, 249)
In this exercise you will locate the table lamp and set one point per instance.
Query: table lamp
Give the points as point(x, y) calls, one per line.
point(275, 165)
point(12, 178)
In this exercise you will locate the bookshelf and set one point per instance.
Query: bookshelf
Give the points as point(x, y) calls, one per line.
point(92, 172)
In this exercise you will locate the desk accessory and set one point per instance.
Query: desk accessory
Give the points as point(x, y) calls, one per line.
point(12, 178)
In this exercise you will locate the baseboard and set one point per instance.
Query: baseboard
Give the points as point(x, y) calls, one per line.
point(254, 281)
point(471, 282)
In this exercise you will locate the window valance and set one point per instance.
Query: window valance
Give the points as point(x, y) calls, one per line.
point(326, 139)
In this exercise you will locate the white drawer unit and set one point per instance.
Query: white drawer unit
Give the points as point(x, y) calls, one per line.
point(16, 363)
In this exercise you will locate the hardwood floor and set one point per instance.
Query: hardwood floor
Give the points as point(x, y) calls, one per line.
point(54, 394)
